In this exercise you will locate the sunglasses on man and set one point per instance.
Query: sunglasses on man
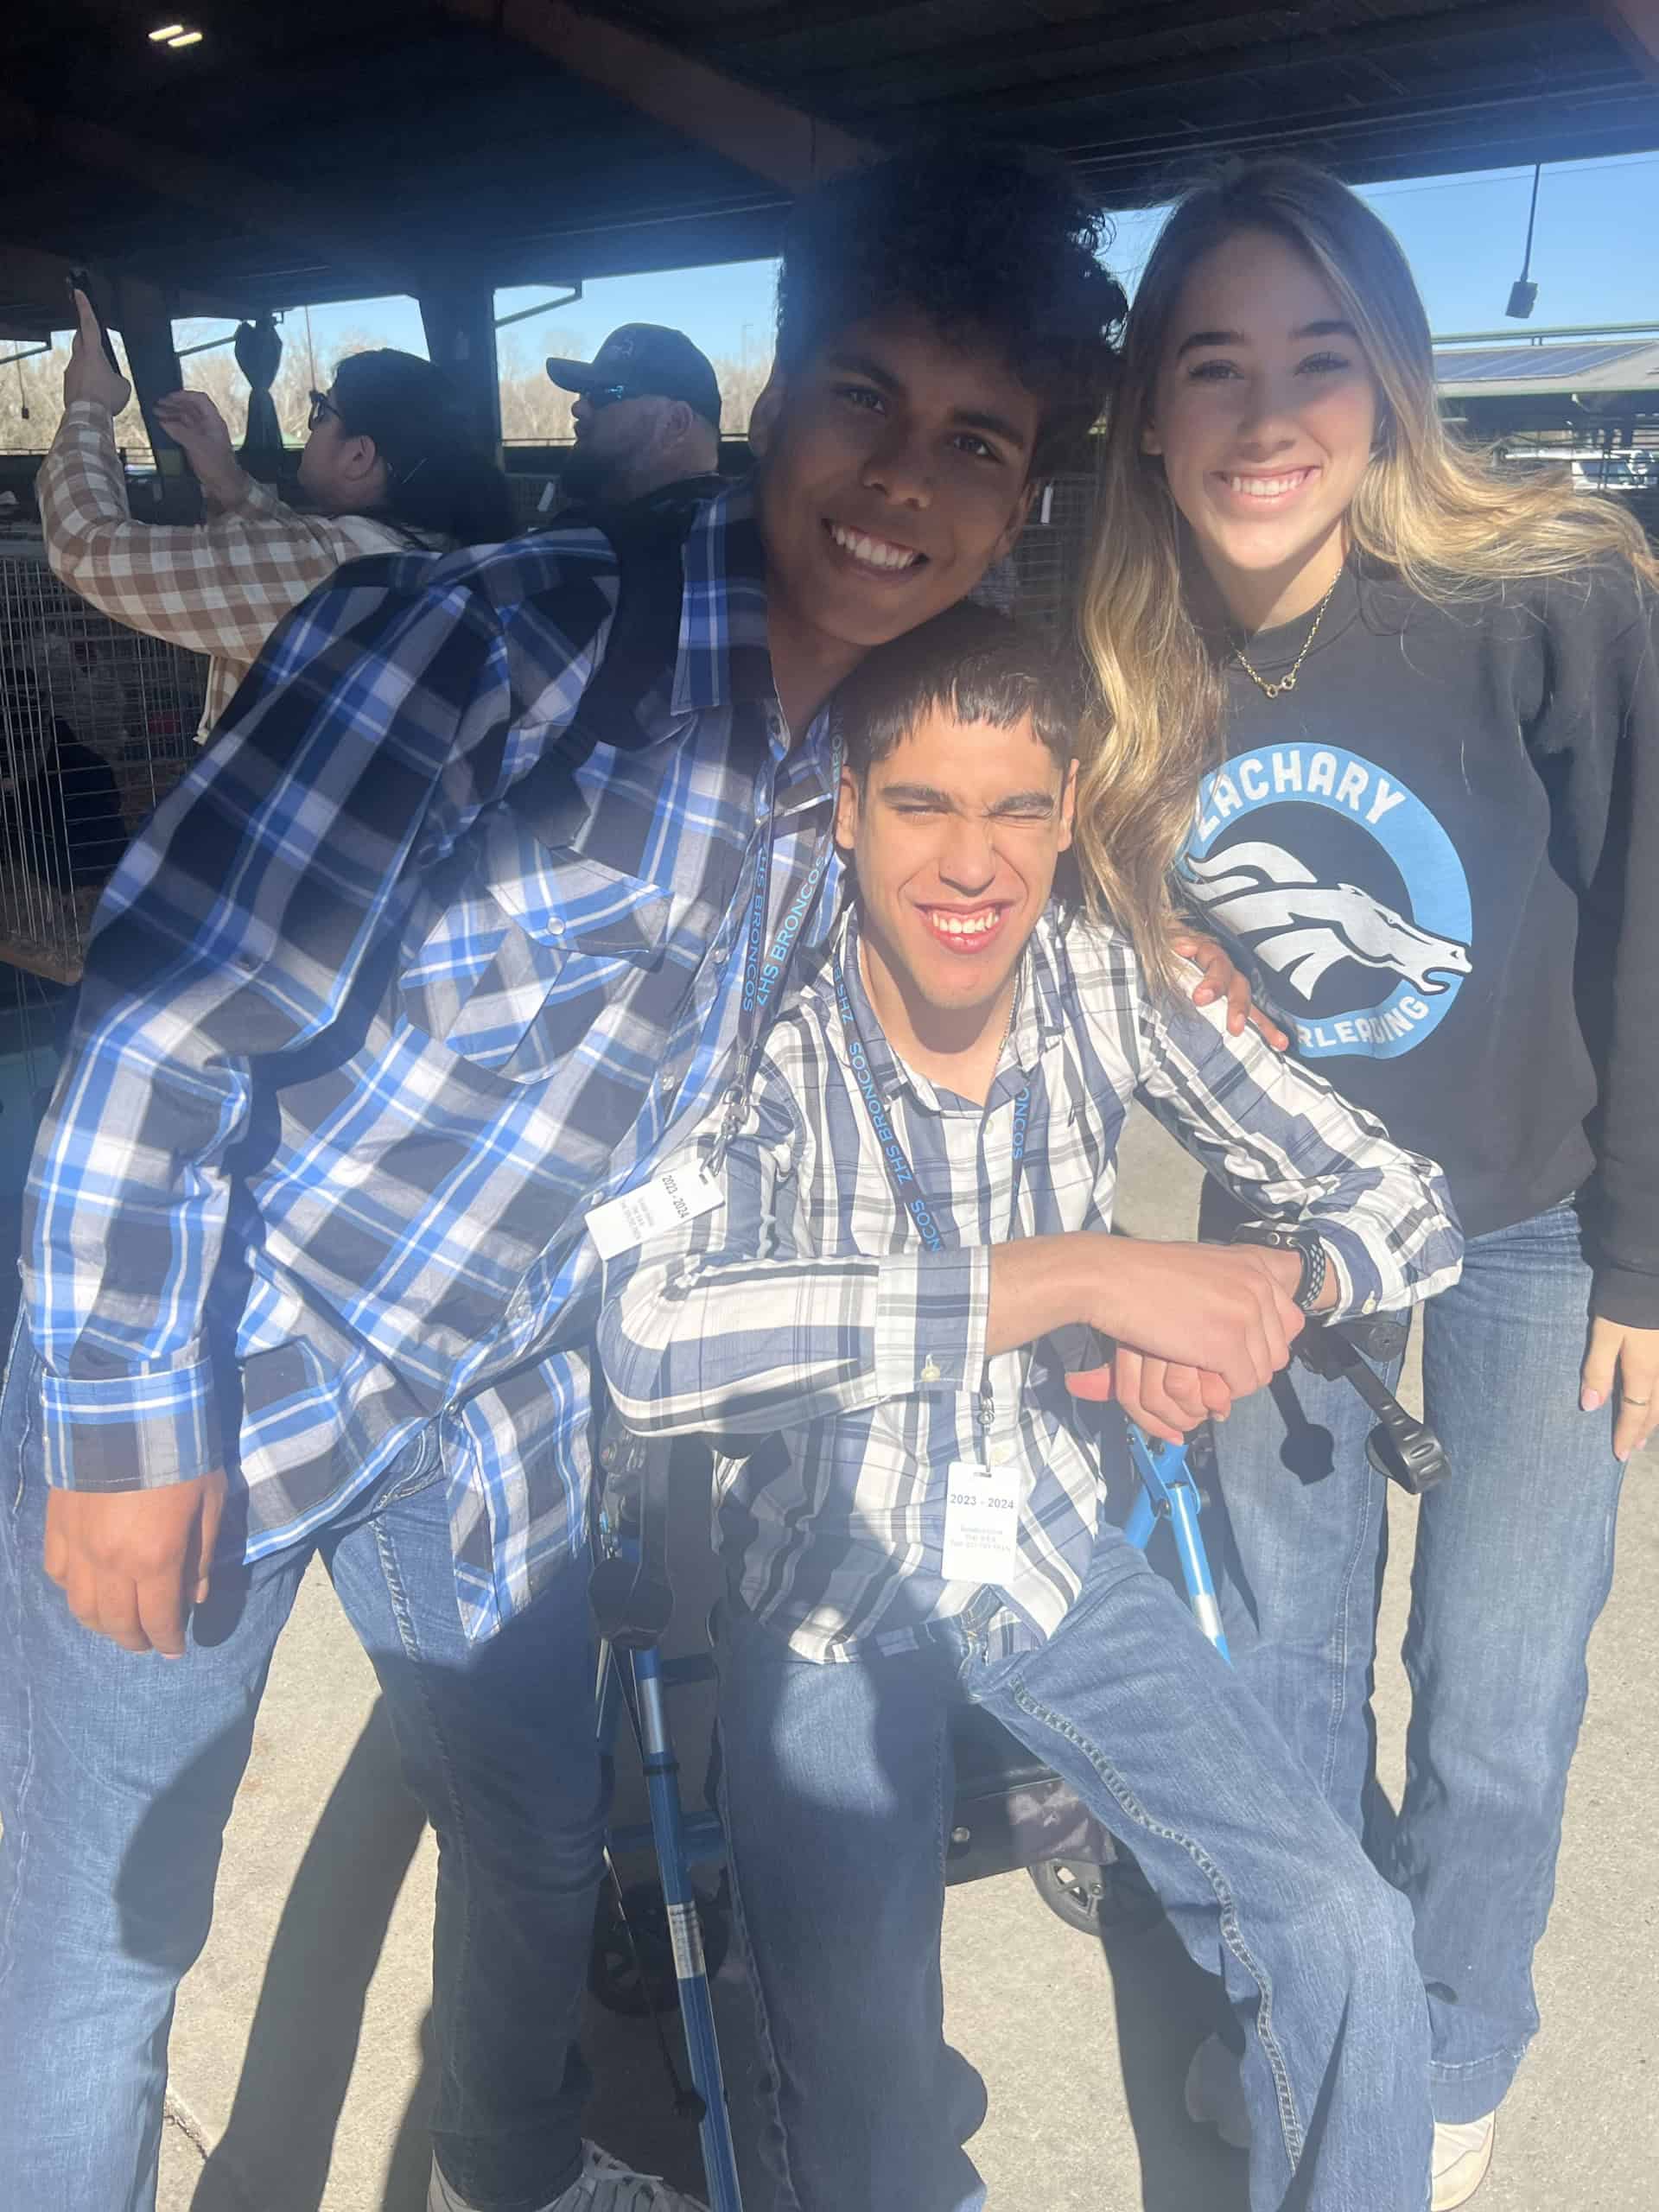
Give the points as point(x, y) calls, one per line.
point(607, 395)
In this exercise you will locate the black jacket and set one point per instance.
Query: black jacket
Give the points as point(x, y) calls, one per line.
point(1441, 850)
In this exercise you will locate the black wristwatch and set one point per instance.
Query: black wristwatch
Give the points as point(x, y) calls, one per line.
point(1305, 1242)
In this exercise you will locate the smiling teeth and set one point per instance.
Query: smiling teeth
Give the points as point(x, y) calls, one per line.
point(964, 925)
point(875, 552)
point(1268, 487)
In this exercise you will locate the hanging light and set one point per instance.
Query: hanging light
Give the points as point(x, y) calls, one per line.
point(189, 38)
point(165, 34)
point(1524, 293)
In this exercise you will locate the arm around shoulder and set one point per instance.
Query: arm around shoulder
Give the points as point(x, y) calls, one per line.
point(1292, 1150)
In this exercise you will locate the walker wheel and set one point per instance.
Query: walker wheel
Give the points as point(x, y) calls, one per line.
point(637, 1978)
point(1103, 1900)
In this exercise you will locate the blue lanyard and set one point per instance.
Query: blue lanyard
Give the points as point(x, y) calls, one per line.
point(906, 1190)
point(766, 966)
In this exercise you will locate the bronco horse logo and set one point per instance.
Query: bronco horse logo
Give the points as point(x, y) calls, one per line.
point(1304, 929)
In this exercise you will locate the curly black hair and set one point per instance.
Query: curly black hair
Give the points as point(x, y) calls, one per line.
point(993, 243)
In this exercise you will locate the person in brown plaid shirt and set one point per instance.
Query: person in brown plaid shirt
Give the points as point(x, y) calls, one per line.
point(390, 466)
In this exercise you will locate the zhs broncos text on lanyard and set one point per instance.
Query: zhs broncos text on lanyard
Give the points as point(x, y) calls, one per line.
point(982, 1504)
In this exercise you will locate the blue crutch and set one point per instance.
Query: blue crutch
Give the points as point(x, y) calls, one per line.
point(1168, 1492)
point(633, 1602)
point(1092, 1882)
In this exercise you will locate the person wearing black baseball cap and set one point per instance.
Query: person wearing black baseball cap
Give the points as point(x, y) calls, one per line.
point(647, 419)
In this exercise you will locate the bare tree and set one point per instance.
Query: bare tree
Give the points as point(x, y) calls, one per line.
point(534, 410)
point(31, 405)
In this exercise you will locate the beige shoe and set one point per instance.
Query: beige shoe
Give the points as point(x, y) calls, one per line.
point(1463, 2151)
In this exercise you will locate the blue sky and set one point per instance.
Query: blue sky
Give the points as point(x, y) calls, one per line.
point(1595, 257)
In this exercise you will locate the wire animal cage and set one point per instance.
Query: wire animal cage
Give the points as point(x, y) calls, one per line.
point(96, 724)
point(1051, 557)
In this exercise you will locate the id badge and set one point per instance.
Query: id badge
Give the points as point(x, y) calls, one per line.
point(981, 1524)
point(667, 1202)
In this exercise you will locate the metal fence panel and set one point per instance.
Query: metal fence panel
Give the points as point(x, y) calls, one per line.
point(96, 724)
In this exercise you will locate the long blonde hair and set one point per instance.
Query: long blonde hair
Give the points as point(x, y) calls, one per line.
point(1430, 509)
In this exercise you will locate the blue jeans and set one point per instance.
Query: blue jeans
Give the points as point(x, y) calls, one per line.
point(837, 1794)
point(116, 1777)
point(1515, 1554)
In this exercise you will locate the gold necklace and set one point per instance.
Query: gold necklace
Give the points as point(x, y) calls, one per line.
point(1288, 681)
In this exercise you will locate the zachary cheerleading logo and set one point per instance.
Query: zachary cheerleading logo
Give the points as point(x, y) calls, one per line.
point(1374, 951)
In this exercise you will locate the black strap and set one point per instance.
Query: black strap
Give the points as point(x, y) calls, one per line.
point(1407, 1451)
point(641, 652)
point(644, 646)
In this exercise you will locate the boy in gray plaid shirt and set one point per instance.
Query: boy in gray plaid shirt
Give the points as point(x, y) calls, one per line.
point(897, 1253)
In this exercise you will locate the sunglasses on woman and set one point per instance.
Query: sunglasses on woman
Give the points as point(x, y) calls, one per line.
point(321, 408)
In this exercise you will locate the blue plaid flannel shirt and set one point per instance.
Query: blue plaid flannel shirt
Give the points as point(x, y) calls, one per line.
point(804, 1326)
point(401, 981)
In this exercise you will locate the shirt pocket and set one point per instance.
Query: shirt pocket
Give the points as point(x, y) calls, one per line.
point(923, 1433)
point(513, 967)
point(286, 1409)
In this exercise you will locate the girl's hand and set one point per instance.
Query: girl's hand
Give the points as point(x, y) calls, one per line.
point(1627, 1360)
point(1223, 980)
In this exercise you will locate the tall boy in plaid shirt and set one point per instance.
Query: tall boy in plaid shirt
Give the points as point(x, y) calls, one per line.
point(900, 1254)
point(415, 966)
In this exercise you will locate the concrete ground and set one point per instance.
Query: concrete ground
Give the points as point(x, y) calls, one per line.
point(298, 2080)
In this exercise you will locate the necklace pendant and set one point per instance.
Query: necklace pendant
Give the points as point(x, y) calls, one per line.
point(1273, 689)
point(1287, 683)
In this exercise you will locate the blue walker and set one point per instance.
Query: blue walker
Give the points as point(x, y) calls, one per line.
point(654, 1950)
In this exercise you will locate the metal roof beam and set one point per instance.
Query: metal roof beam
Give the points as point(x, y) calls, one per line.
point(751, 128)
point(730, 34)
point(32, 278)
point(1364, 44)
point(1398, 139)
point(1052, 42)
point(259, 204)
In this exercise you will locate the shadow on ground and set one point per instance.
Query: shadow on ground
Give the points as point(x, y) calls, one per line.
point(1166, 2006)
point(276, 2150)
point(275, 2153)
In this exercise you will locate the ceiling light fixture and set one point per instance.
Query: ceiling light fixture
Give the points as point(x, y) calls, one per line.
point(189, 38)
point(166, 32)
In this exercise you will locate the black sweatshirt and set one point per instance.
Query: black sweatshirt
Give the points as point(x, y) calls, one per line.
point(1440, 849)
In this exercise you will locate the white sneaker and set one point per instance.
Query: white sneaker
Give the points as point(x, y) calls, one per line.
point(1463, 2151)
point(605, 2185)
point(1215, 2095)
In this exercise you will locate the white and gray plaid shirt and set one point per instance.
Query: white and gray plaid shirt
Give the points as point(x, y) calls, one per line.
point(802, 1323)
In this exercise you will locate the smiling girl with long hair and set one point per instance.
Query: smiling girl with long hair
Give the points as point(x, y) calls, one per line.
point(1421, 700)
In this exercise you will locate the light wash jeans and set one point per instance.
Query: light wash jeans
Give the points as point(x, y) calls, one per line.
point(117, 1776)
point(837, 1793)
point(1515, 1554)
